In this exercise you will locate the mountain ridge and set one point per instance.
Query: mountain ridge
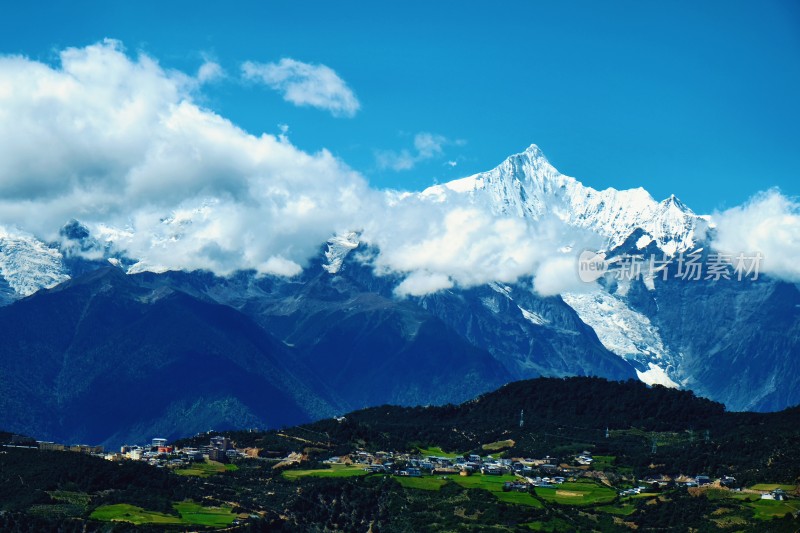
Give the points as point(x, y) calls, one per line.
point(528, 186)
point(673, 333)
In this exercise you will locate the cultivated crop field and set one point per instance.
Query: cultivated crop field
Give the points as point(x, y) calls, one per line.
point(336, 470)
point(190, 513)
point(579, 493)
point(208, 468)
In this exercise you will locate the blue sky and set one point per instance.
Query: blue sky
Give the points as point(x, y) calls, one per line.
point(696, 100)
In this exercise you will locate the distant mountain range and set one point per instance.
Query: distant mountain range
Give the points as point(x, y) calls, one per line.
point(94, 352)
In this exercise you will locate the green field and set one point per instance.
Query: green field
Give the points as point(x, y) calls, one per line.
point(195, 514)
point(438, 452)
point(208, 468)
point(579, 493)
point(423, 483)
point(494, 484)
point(519, 498)
point(744, 497)
point(336, 470)
point(769, 509)
point(773, 486)
point(190, 514)
point(479, 481)
point(122, 512)
point(603, 462)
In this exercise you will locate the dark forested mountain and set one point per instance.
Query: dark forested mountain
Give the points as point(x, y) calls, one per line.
point(739, 342)
point(101, 359)
point(107, 357)
point(568, 415)
point(350, 320)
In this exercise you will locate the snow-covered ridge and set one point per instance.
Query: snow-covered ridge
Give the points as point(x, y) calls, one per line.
point(524, 185)
point(27, 264)
point(338, 247)
point(527, 185)
point(534, 318)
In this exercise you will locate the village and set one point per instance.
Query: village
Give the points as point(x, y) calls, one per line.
point(547, 472)
point(157, 453)
point(528, 473)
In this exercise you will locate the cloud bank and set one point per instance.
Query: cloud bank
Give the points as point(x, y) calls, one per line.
point(119, 143)
point(305, 84)
point(768, 223)
point(442, 241)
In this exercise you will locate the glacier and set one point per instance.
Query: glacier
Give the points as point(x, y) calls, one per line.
point(627, 333)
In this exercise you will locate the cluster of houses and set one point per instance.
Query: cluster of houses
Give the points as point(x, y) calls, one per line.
point(584, 459)
point(157, 453)
point(22, 441)
point(662, 481)
point(700, 480)
point(546, 472)
point(777, 494)
point(531, 472)
point(78, 448)
point(160, 454)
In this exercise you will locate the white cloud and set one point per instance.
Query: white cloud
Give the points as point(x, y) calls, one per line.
point(119, 144)
point(209, 71)
point(558, 274)
point(420, 283)
point(768, 223)
point(426, 146)
point(402, 160)
point(305, 84)
point(440, 243)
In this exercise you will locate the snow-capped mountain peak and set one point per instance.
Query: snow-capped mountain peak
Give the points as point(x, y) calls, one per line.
point(27, 264)
point(527, 185)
